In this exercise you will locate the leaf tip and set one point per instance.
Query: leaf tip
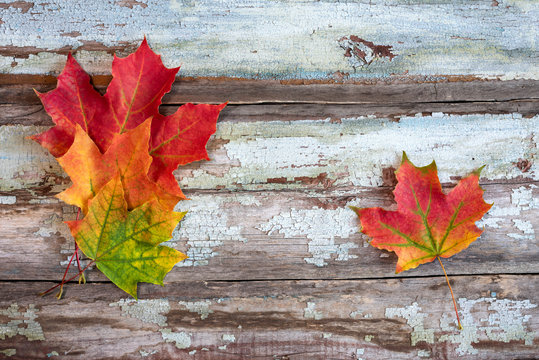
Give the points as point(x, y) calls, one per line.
point(478, 170)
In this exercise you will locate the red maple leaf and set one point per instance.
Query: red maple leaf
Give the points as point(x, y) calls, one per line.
point(427, 224)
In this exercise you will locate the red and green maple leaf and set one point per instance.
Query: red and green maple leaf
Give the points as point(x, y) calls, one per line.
point(428, 224)
point(123, 244)
point(127, 156)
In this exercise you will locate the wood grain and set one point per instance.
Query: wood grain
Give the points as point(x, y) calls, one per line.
point(277, 235)
point(19, 90)
point(323, 98)
point(285, 40)
point(276, 320)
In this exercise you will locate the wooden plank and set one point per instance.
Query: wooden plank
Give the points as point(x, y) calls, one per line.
point(274, 154)
point(19, 90)
point(276, 235)
point(276, 39)
point(360, 319)
point(14, 114)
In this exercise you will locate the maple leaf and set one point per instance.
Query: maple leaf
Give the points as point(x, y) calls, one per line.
point(74, 101)
point(123, 244)
point(121, 136)
point(138, 84)
point(139, 81)
point(427, 224)
point(90, 170)
point(180, 139)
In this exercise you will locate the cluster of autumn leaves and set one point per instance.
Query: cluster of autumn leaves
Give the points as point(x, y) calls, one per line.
point(120, 153)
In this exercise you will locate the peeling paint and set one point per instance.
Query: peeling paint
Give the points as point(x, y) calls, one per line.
point(275, 39)
point(144, 353)
point(522, 201)
point(257, 151)
point(322, 227)
point(310, 313)
point(182, 340)
point(484, 319)
point(327, 335)
point(53, 353)
point(359, 353)
point(204, 228)
point(228, 338)
point(306, 148)
point(8, 200)
point(148, 311)
point(8, 352)
point(200, 307)
point(423, 353)
point(21, 323)
point(368, 338)
point(193, 352)
point(24, 162)
point(415, 319)
point(504, 322)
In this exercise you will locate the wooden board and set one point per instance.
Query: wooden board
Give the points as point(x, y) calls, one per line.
point(320, 40)
point(356, 319)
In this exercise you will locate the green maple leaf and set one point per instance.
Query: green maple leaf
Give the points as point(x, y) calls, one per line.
point(124, 245)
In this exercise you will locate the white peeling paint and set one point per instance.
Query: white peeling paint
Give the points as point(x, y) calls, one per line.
point(8, 352)
point(24, 162)
point(504, 322)
point(322, 227)
point(522, 201)
point(21, 323)
point(423, 353)
point(149, 311)
point(8, 200)
point(355, 314)
point(327, 335)
point(310, 313)
point(193, 352)
point(228, 338)
point(359, 353)
point(200, 307)
point(484, 319)
point(258, 151)
point(53, 353)
point(222, 347)
point(144, 353)
point(181, 340)
point(415, 319)
point(205, 227)
point(459, 144)
point(267, 39)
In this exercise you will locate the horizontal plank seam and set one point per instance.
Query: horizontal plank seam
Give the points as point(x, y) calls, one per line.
point(292, 279)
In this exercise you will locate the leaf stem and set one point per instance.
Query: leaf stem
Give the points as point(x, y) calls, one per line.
point(82, 279)
point(66, 281)
point(451, 290)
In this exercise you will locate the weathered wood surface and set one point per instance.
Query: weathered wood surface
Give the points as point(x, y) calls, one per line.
point(391, 39)
point(357, 319)
point(271, 205)
point(318, 117)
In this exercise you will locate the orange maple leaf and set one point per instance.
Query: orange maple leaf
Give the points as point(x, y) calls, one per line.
point(427, 224)
point(127, 156)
